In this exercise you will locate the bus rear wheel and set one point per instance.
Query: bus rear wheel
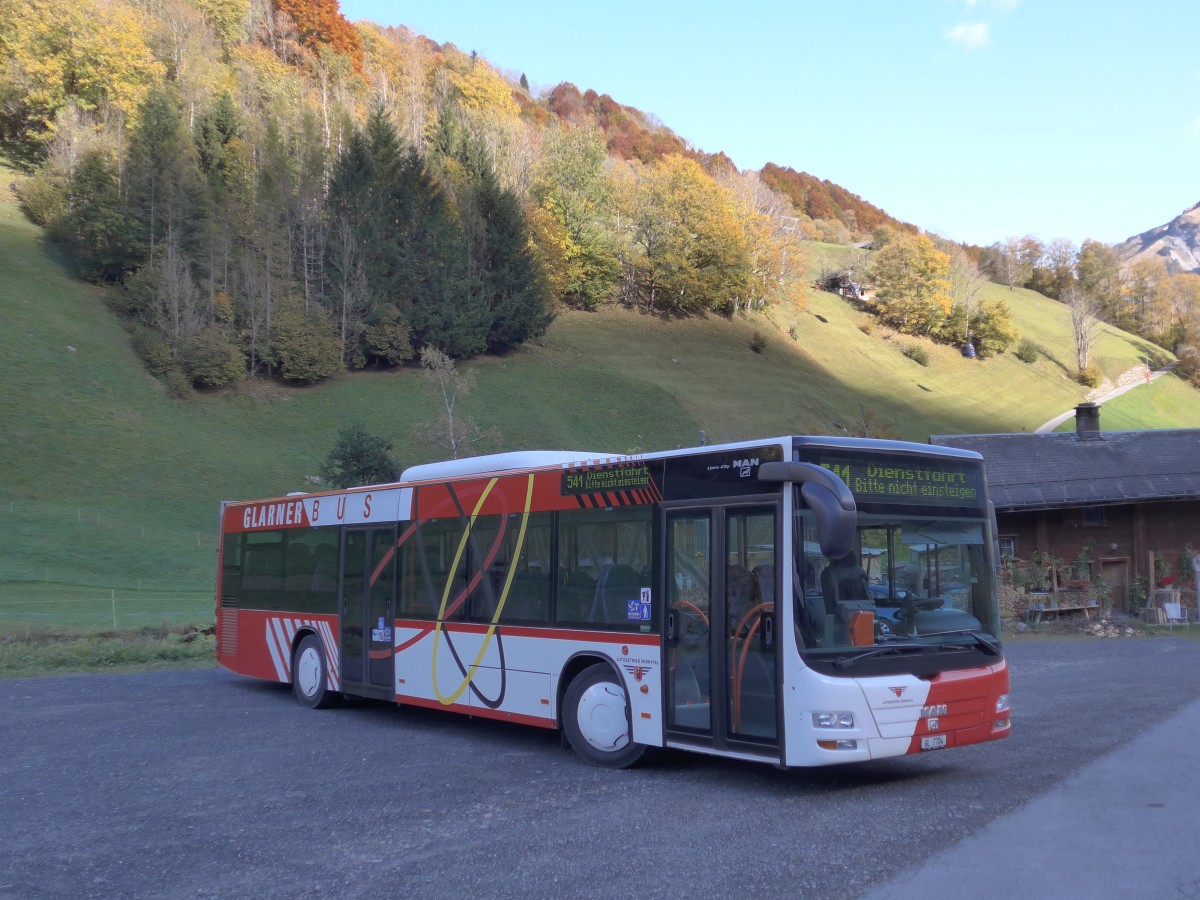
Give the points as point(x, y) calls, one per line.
point(310, 681)
point(596, 719)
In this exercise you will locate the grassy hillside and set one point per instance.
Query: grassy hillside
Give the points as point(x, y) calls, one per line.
point(110, 486)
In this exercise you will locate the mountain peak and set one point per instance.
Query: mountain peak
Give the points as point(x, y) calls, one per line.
point(1177, 243)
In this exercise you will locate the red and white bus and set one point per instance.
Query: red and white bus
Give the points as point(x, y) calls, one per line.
point(799, 601)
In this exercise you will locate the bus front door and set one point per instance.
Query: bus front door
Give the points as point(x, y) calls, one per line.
point(368, 591)
point(720, 636)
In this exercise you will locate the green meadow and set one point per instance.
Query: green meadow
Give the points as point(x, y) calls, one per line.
point(110, 489)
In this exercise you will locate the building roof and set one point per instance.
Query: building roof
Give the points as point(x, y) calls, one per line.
point(1085, 468)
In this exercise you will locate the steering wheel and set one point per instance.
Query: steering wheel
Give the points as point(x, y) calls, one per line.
point(910, 605)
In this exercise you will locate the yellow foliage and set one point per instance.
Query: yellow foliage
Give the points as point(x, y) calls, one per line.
point(92, 52)
point(483, 92)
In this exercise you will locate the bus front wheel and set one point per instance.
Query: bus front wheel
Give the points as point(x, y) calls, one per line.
point(310, 682)
point(596, 719)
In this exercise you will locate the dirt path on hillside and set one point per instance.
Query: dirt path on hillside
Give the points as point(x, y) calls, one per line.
point(1141, 376)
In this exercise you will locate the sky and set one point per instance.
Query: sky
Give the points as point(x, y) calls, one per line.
point(978, 120)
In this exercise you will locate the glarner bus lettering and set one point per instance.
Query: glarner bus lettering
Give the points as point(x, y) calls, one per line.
point(797, 601)
point(273, 515)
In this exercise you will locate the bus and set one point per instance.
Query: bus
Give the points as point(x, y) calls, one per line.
point(799, 601)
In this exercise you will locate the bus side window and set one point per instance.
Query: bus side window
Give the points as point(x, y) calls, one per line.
point(298, 576)
point(262, 576)
point(428, 581)
point(604, 557)
point(528, 597)
point(575, 596)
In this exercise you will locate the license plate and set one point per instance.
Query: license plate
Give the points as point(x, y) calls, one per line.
point(933, 742)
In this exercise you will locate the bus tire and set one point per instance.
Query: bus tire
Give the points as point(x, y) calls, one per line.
point(310, 681)
point(596, 719)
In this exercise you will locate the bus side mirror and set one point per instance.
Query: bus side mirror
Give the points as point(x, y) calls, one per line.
point(836, 525)
point(828, 496)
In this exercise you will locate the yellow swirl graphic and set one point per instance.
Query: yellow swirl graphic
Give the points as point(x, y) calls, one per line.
point(512, 569)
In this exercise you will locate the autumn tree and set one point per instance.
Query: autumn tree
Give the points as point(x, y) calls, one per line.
point(1085, 325)
point(319, 23)
point(687, 252)
point(573, 189)
point(57, 52)
point(912, 284)
point(769, 225)
point(1098, 272)
point(1054, 272)
point(451, 432)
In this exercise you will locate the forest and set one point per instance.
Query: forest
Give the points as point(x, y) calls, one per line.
point(274, 191)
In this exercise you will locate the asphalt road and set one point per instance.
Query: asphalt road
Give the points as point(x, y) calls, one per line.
point(202, 783)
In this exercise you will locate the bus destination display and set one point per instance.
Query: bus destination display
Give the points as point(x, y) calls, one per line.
point(881, 480)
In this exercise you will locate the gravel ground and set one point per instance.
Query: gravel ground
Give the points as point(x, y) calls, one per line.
point(202, 783)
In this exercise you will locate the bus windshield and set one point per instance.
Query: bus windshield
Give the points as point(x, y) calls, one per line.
point(910, 587)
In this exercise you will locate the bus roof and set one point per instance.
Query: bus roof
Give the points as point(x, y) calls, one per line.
point(505, 462)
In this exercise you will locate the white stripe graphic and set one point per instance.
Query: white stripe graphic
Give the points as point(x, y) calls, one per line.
point(281, 634)
point(284, 633)
point(276, 656)
point(332, 658)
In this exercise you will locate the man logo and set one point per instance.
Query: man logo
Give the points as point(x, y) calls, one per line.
point(745, 465)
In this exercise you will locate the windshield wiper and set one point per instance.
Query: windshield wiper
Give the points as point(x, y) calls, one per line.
point(845, 662)
point(986, 644)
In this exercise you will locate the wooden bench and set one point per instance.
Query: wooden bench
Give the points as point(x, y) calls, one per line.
point(1033, 615)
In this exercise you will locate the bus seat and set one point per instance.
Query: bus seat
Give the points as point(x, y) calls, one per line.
point(739, 594)
point(576, 597)
point(616, 586)
point(324, 570)
point(528, 599)
point(764, 576)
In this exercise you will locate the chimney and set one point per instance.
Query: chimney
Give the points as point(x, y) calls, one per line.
point(1087, 421)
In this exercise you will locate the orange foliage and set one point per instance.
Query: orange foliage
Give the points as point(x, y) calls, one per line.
point(825, 200)
point(321, 24)
point(629, 133)
point(531, 110)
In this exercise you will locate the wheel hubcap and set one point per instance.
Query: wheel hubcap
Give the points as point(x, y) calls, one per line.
point(602, 717)
point(308, 672)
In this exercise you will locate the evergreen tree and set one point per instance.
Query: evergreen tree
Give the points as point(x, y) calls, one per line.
point(162, 172)
point(99, 225)
point(512, 283)
point(359, 457)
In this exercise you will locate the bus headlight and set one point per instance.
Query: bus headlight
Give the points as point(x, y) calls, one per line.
point(833, 720)
point(1002, 703)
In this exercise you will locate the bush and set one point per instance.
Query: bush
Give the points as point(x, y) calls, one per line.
point(1089, 377)
point(918, 355)
point(45, 199)
point(1028, 351)
point(154, 350)
point(179, 385)
point(210, 360)
point(758, 342)
point(389, 337)
point(307, 346)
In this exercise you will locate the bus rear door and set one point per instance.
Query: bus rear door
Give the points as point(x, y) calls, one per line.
point(368, 609)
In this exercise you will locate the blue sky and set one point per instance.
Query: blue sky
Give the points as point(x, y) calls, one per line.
point(976, 119)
